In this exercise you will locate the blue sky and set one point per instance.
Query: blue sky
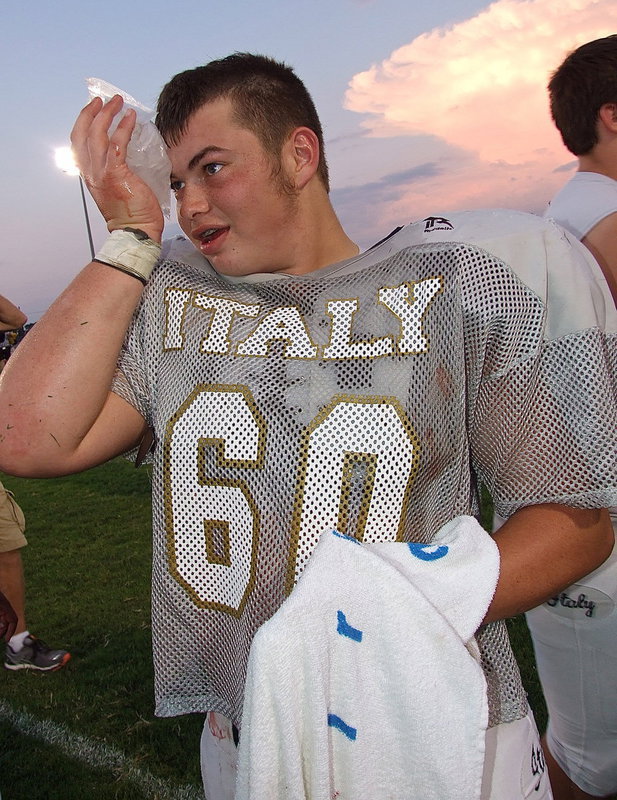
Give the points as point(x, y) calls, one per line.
point(426, 107)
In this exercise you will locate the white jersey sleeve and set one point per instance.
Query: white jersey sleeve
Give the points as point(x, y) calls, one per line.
point(537, 372)
point(585, 200)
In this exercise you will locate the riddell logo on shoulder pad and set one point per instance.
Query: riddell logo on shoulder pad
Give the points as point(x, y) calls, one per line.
point(437, 224)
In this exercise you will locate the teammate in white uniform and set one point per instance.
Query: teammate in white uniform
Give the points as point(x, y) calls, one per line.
point(293, 384)
point(575, 633)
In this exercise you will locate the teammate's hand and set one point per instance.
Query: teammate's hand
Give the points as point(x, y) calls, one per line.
point(123, 199)
point(8, 618)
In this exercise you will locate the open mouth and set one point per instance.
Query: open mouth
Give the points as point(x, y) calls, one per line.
point(210, 235)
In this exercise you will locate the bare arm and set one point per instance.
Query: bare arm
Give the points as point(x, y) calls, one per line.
point(11, 317)
point(543, 550)
point(602, 241)
point(57, 413)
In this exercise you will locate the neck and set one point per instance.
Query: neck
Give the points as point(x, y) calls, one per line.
point(602, 159)
point(320, 238)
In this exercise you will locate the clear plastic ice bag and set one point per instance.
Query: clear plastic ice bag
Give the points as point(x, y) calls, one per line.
point(146, 153)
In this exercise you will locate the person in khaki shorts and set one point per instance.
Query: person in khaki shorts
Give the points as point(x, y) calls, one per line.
point(24, 651)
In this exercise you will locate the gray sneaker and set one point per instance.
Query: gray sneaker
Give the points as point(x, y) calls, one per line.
point(35, 654)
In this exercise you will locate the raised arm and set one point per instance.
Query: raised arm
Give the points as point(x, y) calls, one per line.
point(58, 415)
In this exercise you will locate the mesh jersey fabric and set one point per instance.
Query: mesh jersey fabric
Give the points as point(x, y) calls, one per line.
point(586, 199)
point(369, 397)
point(582, 726)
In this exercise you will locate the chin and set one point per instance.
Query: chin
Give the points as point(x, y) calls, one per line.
point(227, 269)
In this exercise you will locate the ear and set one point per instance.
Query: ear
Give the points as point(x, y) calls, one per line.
point(303, 155)
point(607, 115)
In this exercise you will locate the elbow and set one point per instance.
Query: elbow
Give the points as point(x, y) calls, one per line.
point(605, 536)
point(33, 467)
point(593, 528)
point(18, 461)
point(31, 455)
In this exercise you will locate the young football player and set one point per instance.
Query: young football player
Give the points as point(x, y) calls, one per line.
point(292, 384)
point(575, 633)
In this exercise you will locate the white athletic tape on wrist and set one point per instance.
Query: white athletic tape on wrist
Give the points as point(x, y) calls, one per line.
point(130, 250)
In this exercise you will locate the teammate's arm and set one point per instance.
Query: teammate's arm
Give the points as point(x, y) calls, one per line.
point(602, 241)
point(544, 549)
point(11, 317)
point(57, 413)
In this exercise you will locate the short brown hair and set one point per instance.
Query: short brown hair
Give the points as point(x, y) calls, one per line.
point(268, 99)
point(578, 89)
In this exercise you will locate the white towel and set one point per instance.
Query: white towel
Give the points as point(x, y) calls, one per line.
point(361, 686)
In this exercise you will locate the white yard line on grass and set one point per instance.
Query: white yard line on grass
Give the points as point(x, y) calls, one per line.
point(95, 754)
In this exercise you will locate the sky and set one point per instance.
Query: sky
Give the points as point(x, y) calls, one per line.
point(426, 107)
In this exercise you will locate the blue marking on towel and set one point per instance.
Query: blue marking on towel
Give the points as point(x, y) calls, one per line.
point(344, 536)
point(427, 552)
point(345, 629)
point(346, 730)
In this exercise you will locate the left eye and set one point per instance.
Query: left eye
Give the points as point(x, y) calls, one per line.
point(212, 169)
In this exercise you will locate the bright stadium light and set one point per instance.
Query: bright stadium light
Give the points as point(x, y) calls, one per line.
point(66, 163)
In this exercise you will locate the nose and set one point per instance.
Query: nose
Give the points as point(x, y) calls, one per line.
point(193, 200)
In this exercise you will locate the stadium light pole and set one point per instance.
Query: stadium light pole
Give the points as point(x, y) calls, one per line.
point(66, 163)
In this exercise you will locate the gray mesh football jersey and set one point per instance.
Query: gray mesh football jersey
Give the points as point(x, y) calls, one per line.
point(371, 396)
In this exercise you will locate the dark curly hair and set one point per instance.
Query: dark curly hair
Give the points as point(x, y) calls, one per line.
point(584, 82)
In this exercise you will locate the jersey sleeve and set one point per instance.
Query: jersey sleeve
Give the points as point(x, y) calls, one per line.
point(131, 380)
point(583, 202)
point(134, 375)
point(543, 419)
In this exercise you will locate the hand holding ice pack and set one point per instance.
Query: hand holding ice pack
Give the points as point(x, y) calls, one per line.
point(146, 153)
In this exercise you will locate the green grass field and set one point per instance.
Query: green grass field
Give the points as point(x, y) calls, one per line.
point(89, 730)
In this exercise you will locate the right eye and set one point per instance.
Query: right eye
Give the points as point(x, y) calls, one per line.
point(176, 186)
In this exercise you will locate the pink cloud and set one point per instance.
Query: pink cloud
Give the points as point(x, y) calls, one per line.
point(480, 86)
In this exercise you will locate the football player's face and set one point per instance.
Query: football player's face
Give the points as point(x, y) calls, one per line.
point(230, 202)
